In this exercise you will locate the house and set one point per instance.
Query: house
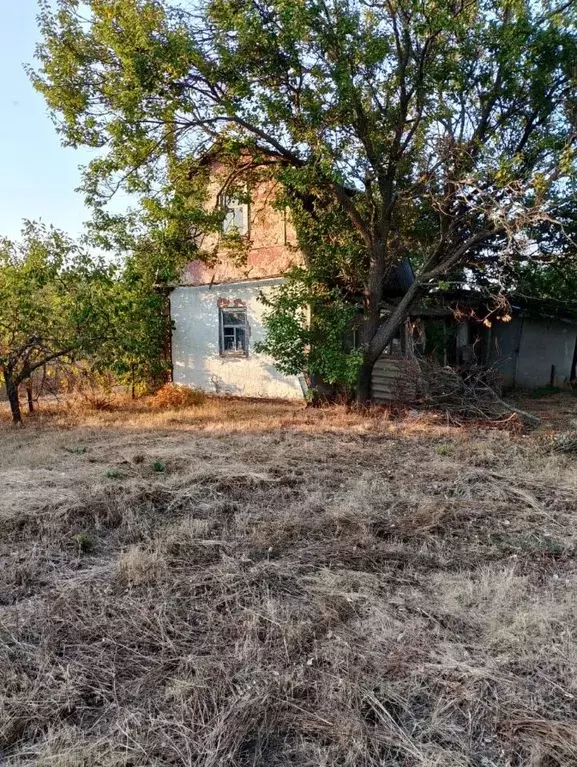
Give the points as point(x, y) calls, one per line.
point(216, 309)
point(216, 312)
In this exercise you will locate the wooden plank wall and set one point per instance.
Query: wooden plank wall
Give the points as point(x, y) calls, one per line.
point(395, 379)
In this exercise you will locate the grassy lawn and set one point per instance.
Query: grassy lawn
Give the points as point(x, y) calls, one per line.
point(259, 584)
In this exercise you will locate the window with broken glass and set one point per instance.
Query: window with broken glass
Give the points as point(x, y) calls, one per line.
point(233, 331)
point(236, 214)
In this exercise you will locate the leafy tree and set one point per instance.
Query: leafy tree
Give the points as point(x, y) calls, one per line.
point(550, 269)
point(146, 264)
point(59, 302)
point(56, 302)
point(307, 328)
point(445, 130)
point(311, 318)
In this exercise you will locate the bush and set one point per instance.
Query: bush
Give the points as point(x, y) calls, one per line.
point(173, 396)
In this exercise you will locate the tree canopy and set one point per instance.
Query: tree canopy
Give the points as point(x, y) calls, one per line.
point(55, 302)
point(60, 302)
point(444, 131)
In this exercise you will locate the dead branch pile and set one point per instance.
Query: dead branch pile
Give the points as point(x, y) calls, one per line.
point(469, 393)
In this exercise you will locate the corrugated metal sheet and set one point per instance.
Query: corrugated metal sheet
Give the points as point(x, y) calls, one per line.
point(396, 379)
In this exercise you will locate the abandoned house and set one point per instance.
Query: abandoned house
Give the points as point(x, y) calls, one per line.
point(216, 312)
point(218, 318)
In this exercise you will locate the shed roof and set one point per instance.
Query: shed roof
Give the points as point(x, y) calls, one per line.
point(486, 303)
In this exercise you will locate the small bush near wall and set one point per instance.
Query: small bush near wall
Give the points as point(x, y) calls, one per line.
point(173, 396)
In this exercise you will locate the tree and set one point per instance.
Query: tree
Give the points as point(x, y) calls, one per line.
point(443, 130)
point(56, 303)
point(148, 254)
point(312, 317)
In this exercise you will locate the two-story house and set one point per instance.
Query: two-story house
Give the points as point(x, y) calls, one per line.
point(216, 311)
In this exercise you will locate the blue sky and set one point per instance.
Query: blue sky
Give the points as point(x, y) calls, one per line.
point(38, 175)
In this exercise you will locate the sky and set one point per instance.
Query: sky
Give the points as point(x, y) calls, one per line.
point(38, 175)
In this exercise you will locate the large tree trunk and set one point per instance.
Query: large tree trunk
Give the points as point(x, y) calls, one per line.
point(363, 393)
point(12, 392)
point(380, 340)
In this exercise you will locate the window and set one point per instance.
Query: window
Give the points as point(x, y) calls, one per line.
point(234, 331)
point(237, 214)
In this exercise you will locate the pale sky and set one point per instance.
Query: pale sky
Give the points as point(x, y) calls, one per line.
point(38, 175)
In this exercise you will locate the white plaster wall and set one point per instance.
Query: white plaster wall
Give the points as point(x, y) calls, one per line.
point(195, 344)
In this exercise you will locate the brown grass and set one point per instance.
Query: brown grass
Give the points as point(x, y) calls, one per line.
point(246, 583)
point(173, 396)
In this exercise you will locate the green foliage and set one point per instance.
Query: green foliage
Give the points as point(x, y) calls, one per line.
point(159, 467)
point(56, 302)
point(53, 294)
point(84, 542)
point(312, 317)
point(135, 351)
point(309, 329)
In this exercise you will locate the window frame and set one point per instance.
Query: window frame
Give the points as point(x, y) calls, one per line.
point(229, 203)
point(235, 352)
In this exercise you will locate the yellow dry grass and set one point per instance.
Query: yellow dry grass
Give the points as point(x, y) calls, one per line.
point(248, 583)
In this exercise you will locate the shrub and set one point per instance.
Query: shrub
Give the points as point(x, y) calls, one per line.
point(173, 396)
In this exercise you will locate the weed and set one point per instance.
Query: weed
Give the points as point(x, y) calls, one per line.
point(533, 544)
point(159, 466)
point(76, 450)
point(114, 473)
point(84, 542)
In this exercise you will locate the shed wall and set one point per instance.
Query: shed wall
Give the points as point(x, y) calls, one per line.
point(525, 349)
point(544, 344)
point(395, 380)
point(505, 338)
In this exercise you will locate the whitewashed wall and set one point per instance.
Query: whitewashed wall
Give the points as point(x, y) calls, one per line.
point(195, 343)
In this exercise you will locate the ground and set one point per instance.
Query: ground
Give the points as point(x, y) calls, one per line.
point(262, 584)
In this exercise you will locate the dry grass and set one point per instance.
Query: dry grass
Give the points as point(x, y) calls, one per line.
point(258, 584)
point(172, 396)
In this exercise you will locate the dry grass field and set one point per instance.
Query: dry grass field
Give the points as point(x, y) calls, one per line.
point(243, 584)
